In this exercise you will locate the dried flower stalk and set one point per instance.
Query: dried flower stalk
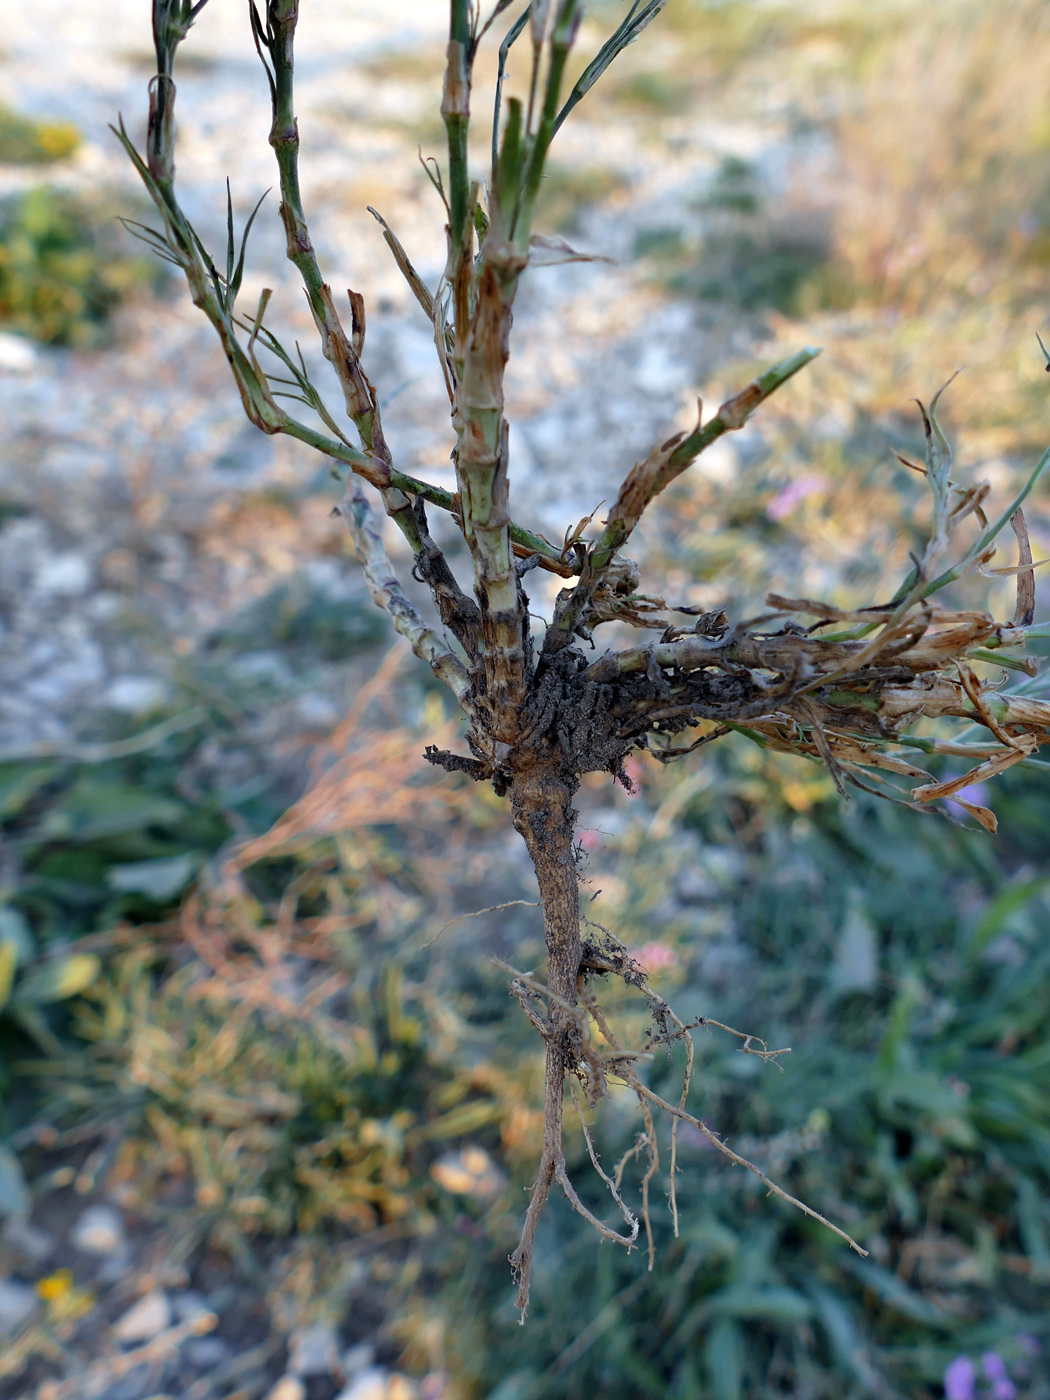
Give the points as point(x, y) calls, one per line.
point(538, 720)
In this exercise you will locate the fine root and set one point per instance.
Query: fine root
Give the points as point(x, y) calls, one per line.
point(588, 1063)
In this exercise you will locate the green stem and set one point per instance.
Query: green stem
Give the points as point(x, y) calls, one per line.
point(455, 113)
point(732, 415)
point(562, 39)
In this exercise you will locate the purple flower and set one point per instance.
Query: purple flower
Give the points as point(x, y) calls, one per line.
point(960, 1376)
point(1030, 1345)
point(994, 1366)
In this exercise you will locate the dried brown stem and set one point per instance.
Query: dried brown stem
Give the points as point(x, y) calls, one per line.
point(541, 805)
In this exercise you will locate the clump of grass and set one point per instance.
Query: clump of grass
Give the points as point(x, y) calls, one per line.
point(304, 619)
point(943, 151)
point(261, 1066)
point(61, 272)
point(27, 142)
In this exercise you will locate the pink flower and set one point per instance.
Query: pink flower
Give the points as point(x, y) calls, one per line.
point(789, 496)
point(590, 839)
point(654, 956)
point(634, 769)
point(960, 1377)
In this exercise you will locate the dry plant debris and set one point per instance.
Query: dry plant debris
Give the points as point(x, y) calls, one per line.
point(540, 714)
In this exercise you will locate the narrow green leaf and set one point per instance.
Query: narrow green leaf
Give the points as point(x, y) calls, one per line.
point(1030, 1218)
point(996, 912)
point(509, 165)
point(897, 1295)
point(467, 1118)
point(14, 1193)
point(235, 282)
point(988, 538)
point(724, 1355)
point(8, 964)
point(57, 980)
point(14, 929)
point(638, 17)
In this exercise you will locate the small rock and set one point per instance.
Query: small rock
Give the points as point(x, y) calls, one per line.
point(17, 355)
point(134, 1386)
point(114, 1267)
point(313, 1351)
point(18, 1302)
point(357, 1358)
point(369, 1384)
point(134, 695)
point(288, 1388)
point(99, 1230)
point(205, 1353)
point(189, 1304)
point(150, 1315)
point(64, 575)
point(28, 1239)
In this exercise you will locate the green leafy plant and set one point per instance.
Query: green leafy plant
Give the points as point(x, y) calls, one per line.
point(27, 142)
point(60, 274)
point(30, 981)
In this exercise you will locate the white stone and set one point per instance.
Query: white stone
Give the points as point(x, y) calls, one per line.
point(17, 355)
point(64, 575)
point(133, 694)
point(313, 1351)
point(369, 1384)
point(99, 1230)
point(18, 1302)
point(149, 1316)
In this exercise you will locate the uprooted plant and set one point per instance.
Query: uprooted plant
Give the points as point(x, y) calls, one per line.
point(540, 712)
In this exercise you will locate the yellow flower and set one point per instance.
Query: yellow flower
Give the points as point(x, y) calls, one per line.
point(56, 1286)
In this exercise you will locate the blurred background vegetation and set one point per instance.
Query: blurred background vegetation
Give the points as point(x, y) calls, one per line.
point(259, 1022)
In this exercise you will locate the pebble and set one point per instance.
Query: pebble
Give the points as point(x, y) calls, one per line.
point(288, 1388)
point(369, 1384)
point(150, 1315)
point(205, 1353)
point(99, 1230)
point(375, 1383)
point(189, 1304)
point(357, 1358)
point(313, 1351)
point(18, 1302)
point(28, 1239)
